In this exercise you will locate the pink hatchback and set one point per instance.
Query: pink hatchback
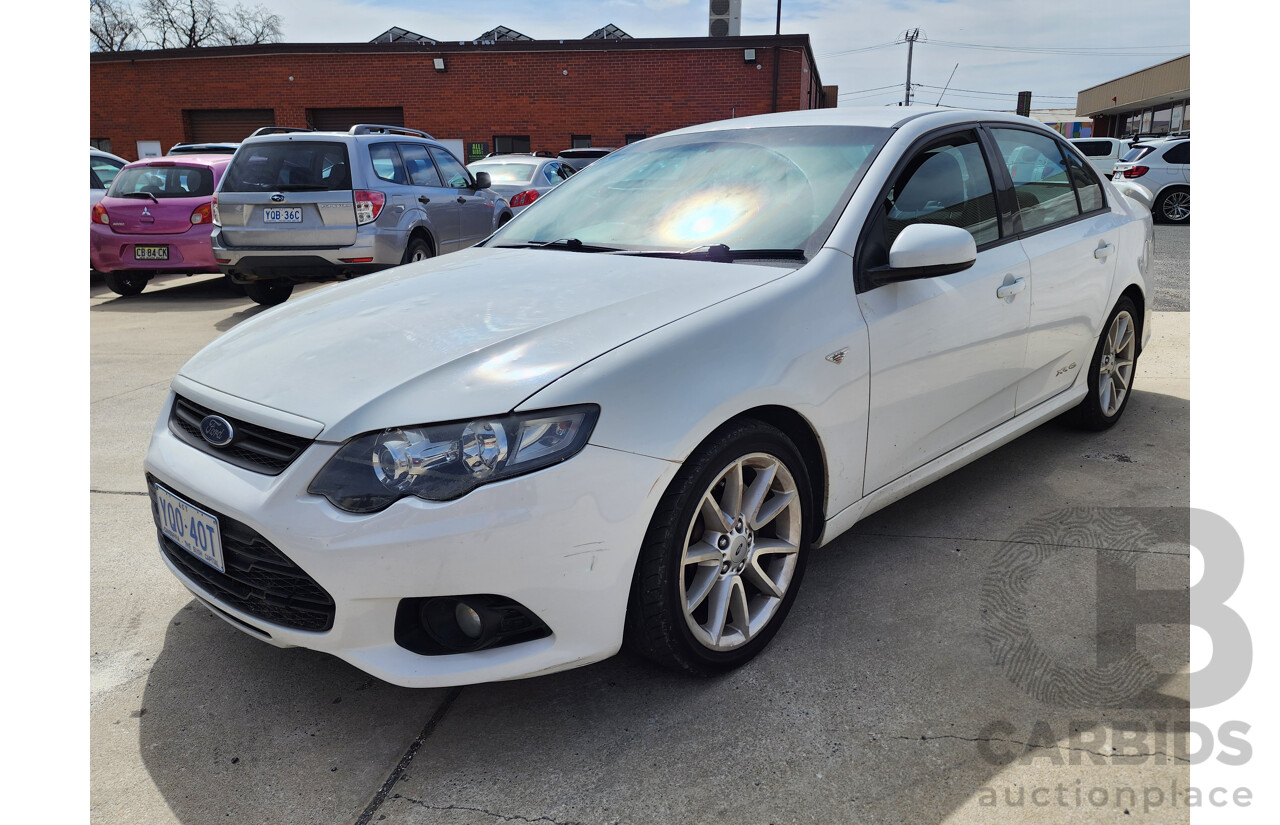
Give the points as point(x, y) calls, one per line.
point(156, 218)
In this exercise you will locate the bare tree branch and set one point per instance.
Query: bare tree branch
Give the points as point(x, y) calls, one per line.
point(113, 27)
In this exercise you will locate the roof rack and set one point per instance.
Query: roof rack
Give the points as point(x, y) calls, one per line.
point(378, 129)
point(277, 130)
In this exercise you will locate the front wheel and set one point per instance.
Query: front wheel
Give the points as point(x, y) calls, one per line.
point(725, 553)
point(125, 283)
point(269, 293)
point(1174, 205)
point(1112, 369)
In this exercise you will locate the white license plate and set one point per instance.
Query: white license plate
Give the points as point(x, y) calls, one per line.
point(291, 214)
point(191, 528)
point(151, 253)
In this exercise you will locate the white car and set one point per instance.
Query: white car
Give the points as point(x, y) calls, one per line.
point(1103, 152)
point(1163, 167)
point(628, 416)
point(103, 168)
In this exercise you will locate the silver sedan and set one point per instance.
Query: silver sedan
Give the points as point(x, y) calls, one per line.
point(522, 179)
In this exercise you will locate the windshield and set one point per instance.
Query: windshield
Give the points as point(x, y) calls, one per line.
point(505, 172)
point(163, 182)
point(762, 188)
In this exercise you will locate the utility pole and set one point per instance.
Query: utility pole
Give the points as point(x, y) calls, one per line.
point(912, 36)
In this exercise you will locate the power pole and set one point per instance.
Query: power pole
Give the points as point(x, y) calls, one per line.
point(912, 36)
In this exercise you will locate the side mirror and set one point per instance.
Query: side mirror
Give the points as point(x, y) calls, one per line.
point(927, 250)
point(483, 181)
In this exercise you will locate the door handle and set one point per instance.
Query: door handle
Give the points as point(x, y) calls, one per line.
point(1010, 289)
point(423, 199)
point(461, 199)
point(1103, 251)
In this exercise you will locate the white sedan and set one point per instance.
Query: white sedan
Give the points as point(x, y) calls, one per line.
point(627, 417)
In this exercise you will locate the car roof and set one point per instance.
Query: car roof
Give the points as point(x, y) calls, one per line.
point(886, 117)
point(96, 152)
point(184, 160)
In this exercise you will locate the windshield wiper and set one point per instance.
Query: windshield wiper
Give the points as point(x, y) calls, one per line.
point(571, 244)
point(720, 253)
point(141, 195)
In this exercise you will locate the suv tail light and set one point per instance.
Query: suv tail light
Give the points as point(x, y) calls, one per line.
point(100, 214)
point(214, 217)
point(524, 198)
point(1136, 172)
point(202, 214)
point(368, 205)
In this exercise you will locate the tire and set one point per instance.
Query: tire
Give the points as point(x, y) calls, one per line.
point(504, 220)
point(1112, 369)
point(125, 283)
point(701, 604)
point(269, 292)
point(417, 250)
point(1173, 206)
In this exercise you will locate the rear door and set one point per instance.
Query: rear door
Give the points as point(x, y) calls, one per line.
point(286, 192)
point(1071, 238)
point(434, 204)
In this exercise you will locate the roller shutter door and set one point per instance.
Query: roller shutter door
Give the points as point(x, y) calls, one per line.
point(340, 120)
point(227, 125)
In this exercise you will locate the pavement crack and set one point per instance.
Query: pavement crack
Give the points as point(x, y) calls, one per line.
point(1029, 543)
point(926, 738)
point(163, 383)
point(403, 764)
point(117, 492)
point(503, 817)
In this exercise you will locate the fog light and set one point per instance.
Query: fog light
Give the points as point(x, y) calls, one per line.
point(468, 620)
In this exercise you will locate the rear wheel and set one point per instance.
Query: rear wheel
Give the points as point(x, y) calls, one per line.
point(1174, 205)
point(1112, 369)
point(725, 553)
point(417, 250)
point(269, 293)
point(125, 283)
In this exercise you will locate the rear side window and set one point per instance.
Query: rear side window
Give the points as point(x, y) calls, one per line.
point(1136, 153)
point(1039, 174)
point(289, 166)
point(163, 182)
point(1088, 188)
point(386, 163)
point(416, 162)
point(1178, 154)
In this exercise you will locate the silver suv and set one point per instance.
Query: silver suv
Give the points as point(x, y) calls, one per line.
point(297, 205)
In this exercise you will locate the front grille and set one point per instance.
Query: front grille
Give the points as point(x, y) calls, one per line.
point(253, 447)
point(260, 580)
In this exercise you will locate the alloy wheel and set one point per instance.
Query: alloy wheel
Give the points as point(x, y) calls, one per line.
point(1115, 370)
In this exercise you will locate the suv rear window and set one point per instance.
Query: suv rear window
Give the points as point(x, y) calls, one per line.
point(1136, 153)
point(289, 166)
point(163, 182)
point(1094, 148)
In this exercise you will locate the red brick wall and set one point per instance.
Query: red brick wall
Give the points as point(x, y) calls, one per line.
point(605, 94)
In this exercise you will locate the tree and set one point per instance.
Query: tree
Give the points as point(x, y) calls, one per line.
point(113, 27)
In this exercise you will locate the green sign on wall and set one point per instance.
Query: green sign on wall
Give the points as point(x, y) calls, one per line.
point(476, 150)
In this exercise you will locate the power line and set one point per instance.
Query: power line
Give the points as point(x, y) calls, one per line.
point(1128, 51)
point(862, 49)
point(1000, 94)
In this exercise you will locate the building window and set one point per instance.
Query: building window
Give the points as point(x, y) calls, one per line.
point(632, 138)
point(101, 144)
point(511, 144)
point(580, 141)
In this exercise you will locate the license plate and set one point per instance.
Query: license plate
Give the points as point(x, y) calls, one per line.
point(191, 528)
point(151, 253)
point(292, 214)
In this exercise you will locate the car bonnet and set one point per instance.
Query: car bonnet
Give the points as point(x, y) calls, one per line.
point(469, 334)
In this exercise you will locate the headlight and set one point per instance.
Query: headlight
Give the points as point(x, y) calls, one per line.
point(440, 462)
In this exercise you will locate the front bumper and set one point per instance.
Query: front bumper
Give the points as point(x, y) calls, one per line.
point(189, 251)
point(562, 541)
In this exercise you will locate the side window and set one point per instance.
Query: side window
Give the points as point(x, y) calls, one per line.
point(454, 173)
point(102, 172)
point(418, 164)
point(551, 173)
point(386, 163)
point(1039, 173)
point(947, 183)
point(1178, 154)
point(566, 171)
point(1086, 184)
point(1094, 148)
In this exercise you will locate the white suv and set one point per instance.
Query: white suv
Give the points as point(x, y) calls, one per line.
point(1163, 166)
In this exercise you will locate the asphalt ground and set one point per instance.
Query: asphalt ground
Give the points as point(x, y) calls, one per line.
point(966, 655)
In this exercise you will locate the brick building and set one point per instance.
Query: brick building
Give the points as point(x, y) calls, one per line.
point(503, 95)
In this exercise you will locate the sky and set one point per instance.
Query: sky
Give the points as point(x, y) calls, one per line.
point(852, 42)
